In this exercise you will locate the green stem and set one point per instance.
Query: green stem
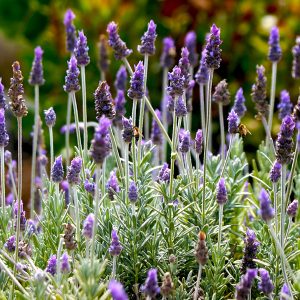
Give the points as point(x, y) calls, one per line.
point(114, 267)
point(133, 145)
point(268, 133)
point(227, 156)
point(221, 118)
point(77, 214)
point(220, 225)
point(185, 118)
point(12, 178)
point(272, 97)
point(276, 207)
point(84, 112)
point(282, 212)
point(59, 250)
point(76, 122)
point(51, 146)
point(126, 166)
point(197, 179)
point(115, 151)
point(202, 107)
point(164, 111)
point(2, 181)
point(198, 282)
point(68, 122)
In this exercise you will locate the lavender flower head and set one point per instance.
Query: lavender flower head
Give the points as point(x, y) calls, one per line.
point(64, 263)
point(275, 172)
point(81, 50)
point(148, 40)
point(119, 108)
point(10, 244)
point(259, 93)
point(73, 174)
point(151, 288)
point(2, 96)
point(265, 285)
point(284, 142)
point(71, 79)
point(101, 144)
point(168, 53)
point(57, 171)
point(103, 101)
point(285, 106)
point(112, 185)
point(36, 76)
point(296, 59)
point(176, 82)
point(244, 287)
point(115, 247)
point(189, 94)
point(132, 192)
point(121, 79)
point(16, 92)
point(212, 47)
point(266, 210)
point(156, 135)
point(221, 192)
point(4, 138)
point(274, 47)
point(190, 43)
point(51, 266)
point(50, 117)
point(70, 30)
point(136, 90)
point(103, 60)
point(184, 65)
point(292, 209)
point(180, 109)
point(239, 103)
point(88, 224)
point(114, 41)
point(202, 75)
point(233, 122)
point(127, 132)
point(198, 141)
point(164, 173)
point(117, 291)
point(221, 94)
point(89, 186)
point(66, 188)
point(285, 293)
point(185, 142)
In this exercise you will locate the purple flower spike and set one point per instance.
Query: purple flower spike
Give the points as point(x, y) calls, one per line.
point(51, 266)
point(71, 79)
point(285, 106)
point(89, 186)
point(120, 108)
point(190, 43)
point(117, 290)
point(127, 132)
point(4, 138)
point(115, 247)
point(73, 175)
point(70, 30)
point(103, 59)
point(114, 41)
point(185, 142)
point(156, 135)
point(103, 101)
point(184, 65)
point(64, 263)
point(296, 59)
point(168, 53)
point(233, 122)
point(121, 79)
point(151, 288)
point(213, 51)
point(284, 142)
point(148, 40)
point(221, 192)
point(164, 173)
point(244, 287)
point(88, 224)
point(275, 172)
point(266, 210)
point(292, 209)
point(239, 103)
point(10, 244)
point(112, 185)
point(136, 90)
point(285, 293)
point(176, 84)
point(132, 192)
point(265, 285)
point(198, 141)
point(36, 76)
point(101, 144)
point(2, 96)
point(81, 50)
point(221, 94)
point(57, 171)
point(50, 117)
point(274, 47)
point(201, 77)
point(180, 109)
point(66, 188)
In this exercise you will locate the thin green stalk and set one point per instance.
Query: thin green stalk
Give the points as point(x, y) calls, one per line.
point(58, 256)
point(272, 96)
point(77, 214)
point(276, 208)
point(198, 282)
point(185, 118)
point(68, 122)
point(222, 130)
point(103, 177)
point(102, 76)
point(227, 155)
point(268, 134)
point(146, 125)
point(34, 148)
point(12, 180)
point(190, 113)
point(197, 179)
point(133, 145)
point(282, 212)
point(288, 229)
point(189, 166)
point(114, 267)
point(164, 111)
point(84, 112)
point(220, 225)
point(208, 117)
point(2, 180)
point(202, 107)
point(126, 166)
point(115, 151)
point(51, 146)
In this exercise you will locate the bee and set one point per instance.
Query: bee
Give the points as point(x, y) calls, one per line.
point(243, 130)
point(136, 132)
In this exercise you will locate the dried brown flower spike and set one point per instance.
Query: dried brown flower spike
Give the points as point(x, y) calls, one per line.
point(201, 251)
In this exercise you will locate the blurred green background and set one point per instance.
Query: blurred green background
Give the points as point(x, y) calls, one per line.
point(244, 24)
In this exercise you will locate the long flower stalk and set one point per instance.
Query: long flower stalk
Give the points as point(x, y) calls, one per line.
point(272, 96)
point(11, 175)
point(58, 265)
point(268, 134)
point(115, 151)
point(84, 112)
point(164, 110)
point(51, 146)
point(126, 167)
point(77, 214)
point(282, 212)
point(114, 267)
point(2, 180)
point(133, 145)
point(227, 155)
point(221, 118)
point(220, 225)
point(202, 107)
point(68, 122)
point(276, 207)
point(198, 282)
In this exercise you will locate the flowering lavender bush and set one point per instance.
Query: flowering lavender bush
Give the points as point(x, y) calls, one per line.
point(117, 222)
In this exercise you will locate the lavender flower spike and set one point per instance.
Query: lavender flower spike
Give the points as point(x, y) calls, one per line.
point(164, 173)
point(88, 224)
point(285, 106)
point(127, 132)
point(81, 50)
point(51, 266)
point(4, 138)
point(115, 246)
point(265, 285)
point(136, 90)
point(239, 103)
point(244, 287)
point(292, 209)
point(36, 76)
point(275, 172)
point(168, 53)
point(185, 142)
point(198, 141)
point(114, 41)
point(70, 30)
point(148, 40)
point(180, 109)
point(285, 292)
point(296, 60)
point(121, 79)
point(201, 77)
point(221, 94)
point(112, 185)
point(176, 84)
point(156, 135)
point(103, 58)
point(73, 175)
point(213, 51)
point(64, 263)
point(151, 288)
point(10, 244)
point(190, 43)
point(57, 171)
point(274, 47)
point(2, 96)
point(71, 79)
point(119, 108)
point(117, 291)
point(221, 192)
point(132, 192)
point(266, 210)
point(50, 117)
point(233, 122)
point(184, 65)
